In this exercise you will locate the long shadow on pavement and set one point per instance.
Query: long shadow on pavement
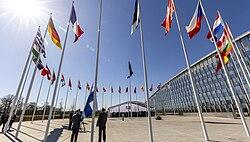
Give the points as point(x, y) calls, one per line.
point(214, 122)
point(26, 135)
point(55, 134)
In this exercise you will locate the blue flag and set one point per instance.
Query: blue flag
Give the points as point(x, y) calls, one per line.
point(88, 110)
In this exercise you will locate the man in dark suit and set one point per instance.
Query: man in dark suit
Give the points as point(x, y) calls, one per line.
point(76, 120)
point(70, 119)
point(101, 123)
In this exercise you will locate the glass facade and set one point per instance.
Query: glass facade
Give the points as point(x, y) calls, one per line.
point(211, 87)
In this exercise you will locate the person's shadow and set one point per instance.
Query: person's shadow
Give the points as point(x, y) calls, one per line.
point(54, 135)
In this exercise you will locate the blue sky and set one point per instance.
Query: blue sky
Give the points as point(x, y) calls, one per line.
point(164, 54)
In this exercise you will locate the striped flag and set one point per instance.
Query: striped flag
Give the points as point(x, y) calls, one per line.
point(53, 79)
point(48, 73)
point(217, 27)
point(195, 24)
point(53, 33)
point(76, 26)
point(167, 22)
point(136, 17)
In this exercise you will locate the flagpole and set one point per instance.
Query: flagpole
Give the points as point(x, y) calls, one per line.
point(65, 102)
point(111, 99)
point(102, 99)
point(21, 93)
point(85, 97)
point(119, 104)
point(56, 100)
point(192, 82)
point(239, 59)
point(137, 105)
point(19, 86)
point(28, 95)
point(241, 81)
point(76, 97)
point(96, 72)
point(39, 92)
point(46, 102)
point(130, 105)
point(228, 80)
point(145, 76)
point(57, 80)
point(240, 54)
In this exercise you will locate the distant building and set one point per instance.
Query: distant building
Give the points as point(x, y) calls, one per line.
point(176, 94)
point(136, 107)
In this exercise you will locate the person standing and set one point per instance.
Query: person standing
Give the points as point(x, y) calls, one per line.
point(76, 120)
point(4, 119)
point(101, 123)
point(12, 120)
point(70, 119)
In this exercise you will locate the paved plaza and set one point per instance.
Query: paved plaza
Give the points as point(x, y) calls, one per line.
point(170, 129)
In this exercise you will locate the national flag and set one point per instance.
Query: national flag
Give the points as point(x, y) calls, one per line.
point(53, 33)
point(167, 22)
point(53, 79)
point(76, 26)
point(63, 81)
point(151, 88)
point(88, 110)
point(44, 71)
point(217, 27)
point(48, 73)
point(225, 60)
point(225, 47)
point(39, 43)
point(39, 63)
point(142, 88)
point(35, 58)
point(70, 84)
point(87, 86)
point(112, 90)
point(135, 90)
point(126, 90)
point(120, 89)
point(104, 90)
point(130, 70)
point(136, 17)
point(195, 24)
point(79, 85)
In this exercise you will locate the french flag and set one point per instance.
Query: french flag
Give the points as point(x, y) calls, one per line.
point(217, 27)
point(76, 26)
point(195, 24)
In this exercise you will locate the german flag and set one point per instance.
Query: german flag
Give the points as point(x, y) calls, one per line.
point(53, 33)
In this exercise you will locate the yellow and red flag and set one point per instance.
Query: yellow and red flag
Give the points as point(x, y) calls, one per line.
point(53, 33)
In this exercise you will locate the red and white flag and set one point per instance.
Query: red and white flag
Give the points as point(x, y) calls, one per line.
point(195, 24)
point(76, 26)
point(169, 16)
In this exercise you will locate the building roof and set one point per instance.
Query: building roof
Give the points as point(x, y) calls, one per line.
point(142, 104)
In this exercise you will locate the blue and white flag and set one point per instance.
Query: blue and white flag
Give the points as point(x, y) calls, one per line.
point(88, 109)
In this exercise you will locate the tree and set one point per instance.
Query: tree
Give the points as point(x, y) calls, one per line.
point(5, 102)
